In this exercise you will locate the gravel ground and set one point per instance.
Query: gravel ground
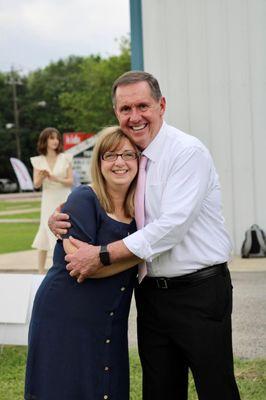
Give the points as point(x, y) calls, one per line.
point(249, 316)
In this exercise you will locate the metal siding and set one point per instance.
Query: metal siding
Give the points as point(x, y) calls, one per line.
point(210, 59)
point(219, 115)
point(256, 11)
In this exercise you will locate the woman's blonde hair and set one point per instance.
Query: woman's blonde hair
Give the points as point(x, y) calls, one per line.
point(109, 140)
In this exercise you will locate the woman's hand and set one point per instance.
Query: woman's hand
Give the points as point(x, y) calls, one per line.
point(72, 248)
point(69, 247)
point(44, 173)
point(38, 176)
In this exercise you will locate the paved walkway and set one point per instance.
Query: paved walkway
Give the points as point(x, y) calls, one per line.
point(24, 196)
point(26, 261)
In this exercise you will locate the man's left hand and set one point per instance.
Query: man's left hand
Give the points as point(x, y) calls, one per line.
point(84, 262)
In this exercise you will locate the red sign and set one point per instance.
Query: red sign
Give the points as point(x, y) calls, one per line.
point(74, 138)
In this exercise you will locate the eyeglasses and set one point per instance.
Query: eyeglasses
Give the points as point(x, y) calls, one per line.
point(126, 156)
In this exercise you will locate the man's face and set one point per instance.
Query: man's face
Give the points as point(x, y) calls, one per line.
point(140, 116)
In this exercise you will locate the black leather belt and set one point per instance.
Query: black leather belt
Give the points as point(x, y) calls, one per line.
point(184, 280)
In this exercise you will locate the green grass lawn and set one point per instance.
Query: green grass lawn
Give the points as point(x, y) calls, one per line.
point(250, 376)
point(17, 237)
point(30, 215)
point(7, 205)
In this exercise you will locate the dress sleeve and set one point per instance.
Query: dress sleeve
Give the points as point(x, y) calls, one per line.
point(36, 162)
point(81, 206)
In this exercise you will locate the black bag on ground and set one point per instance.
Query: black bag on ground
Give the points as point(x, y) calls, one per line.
point(254, 244)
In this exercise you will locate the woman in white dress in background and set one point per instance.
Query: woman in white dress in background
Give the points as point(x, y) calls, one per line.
point(52, 170)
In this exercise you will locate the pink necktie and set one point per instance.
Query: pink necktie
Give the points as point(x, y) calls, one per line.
point(140, 207)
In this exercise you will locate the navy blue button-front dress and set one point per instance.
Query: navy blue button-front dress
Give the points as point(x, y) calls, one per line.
point(78, 346)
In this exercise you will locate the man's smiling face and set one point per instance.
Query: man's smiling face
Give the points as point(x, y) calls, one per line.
point(140, 116)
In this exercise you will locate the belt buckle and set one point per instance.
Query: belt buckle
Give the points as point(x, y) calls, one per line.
point(161, 283)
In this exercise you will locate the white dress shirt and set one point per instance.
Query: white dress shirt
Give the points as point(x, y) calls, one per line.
point(184, 227)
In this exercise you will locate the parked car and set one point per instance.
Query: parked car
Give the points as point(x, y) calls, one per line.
point(7, 186)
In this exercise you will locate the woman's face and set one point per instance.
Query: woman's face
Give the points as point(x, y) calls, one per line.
point(120, 172)
point(53, 141)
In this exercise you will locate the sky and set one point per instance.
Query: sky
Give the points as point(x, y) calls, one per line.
point(35, 32)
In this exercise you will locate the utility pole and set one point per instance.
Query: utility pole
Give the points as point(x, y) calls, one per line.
point(15, 80)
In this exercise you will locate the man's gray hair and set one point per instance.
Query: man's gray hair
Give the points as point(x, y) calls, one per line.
point(131, 77)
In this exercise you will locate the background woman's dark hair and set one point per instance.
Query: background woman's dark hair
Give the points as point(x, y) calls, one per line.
point(43, 139)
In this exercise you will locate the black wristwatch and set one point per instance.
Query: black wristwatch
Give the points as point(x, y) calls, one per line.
point(104, 256)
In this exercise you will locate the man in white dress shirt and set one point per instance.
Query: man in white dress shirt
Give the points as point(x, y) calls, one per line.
point(185, 301)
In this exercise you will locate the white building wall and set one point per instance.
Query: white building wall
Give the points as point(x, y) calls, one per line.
point(210, 59)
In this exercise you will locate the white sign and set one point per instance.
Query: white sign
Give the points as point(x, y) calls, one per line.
point(82, 167)
point(84, 145)
point(17, 292)
point(14, 298)
point(24, 178)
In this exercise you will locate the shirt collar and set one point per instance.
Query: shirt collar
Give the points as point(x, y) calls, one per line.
point(152, 152)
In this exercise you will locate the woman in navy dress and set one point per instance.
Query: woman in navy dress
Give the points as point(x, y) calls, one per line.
point(78, 346)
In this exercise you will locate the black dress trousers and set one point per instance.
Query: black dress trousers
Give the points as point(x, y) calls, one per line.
point(187, 327)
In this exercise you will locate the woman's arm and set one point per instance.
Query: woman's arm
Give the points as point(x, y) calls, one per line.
point(67, 181)
point(38, 177)
point(104, 272)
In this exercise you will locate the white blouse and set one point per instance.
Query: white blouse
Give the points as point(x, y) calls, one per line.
point(184, 228)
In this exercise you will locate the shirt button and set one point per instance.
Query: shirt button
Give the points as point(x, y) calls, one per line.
point(111, 313)
point(105, 397)
point(107, 341)
point(122, 288)
point(106, 368)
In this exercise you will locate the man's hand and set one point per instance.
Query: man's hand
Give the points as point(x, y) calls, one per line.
point(84, 262)
point(58, 222)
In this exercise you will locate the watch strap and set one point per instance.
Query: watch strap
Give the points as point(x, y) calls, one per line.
point(104, 256)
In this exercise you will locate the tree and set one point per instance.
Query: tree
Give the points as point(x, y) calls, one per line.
point(77, 93)
point(9, 133)
point(90, 108)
